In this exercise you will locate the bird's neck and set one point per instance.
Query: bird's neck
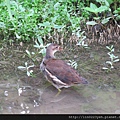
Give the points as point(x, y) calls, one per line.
point(49, 54)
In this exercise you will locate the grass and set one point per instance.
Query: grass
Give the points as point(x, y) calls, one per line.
point(53, 21)
point(27, 20)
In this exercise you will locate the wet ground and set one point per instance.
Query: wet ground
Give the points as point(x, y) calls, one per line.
point(22, 94)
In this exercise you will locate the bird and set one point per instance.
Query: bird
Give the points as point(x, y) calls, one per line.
point(57, 71)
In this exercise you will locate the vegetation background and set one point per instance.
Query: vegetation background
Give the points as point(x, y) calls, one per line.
point(54, 20)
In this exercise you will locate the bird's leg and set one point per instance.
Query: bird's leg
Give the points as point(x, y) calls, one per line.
point(59, 91)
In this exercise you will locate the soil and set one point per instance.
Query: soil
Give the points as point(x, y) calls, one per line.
point(22, 94)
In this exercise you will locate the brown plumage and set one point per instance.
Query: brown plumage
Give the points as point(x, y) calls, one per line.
point(58, 72)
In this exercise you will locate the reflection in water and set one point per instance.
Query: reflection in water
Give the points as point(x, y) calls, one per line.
point(17, 100)
point(19, 91)
point(6, 93)
point(22, 99)
point(36, 103)
point(25, 108)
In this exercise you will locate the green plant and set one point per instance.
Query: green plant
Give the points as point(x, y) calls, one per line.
point(26, 68)
point(30, 55)
point(81, 41)
point(40, 45)
point(26, 20)
point(73, 63)
point(96, 10)
point(112, 57)
point(42, 49)
point(117, 13)
point(105, 10)
point(19, 19)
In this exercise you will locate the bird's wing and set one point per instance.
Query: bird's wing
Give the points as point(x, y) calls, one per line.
point(63, 71)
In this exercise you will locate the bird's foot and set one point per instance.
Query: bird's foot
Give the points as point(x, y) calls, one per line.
point(59, 91)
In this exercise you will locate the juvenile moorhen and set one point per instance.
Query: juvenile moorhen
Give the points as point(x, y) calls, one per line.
point(58, 72)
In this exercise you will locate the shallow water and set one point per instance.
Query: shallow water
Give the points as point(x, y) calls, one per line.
point(25, 95)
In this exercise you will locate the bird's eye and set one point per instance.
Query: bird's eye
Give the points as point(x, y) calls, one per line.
point(56, 47)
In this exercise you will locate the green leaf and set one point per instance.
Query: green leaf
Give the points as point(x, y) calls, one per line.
point(101, 9)
point(56, 5)
point(31, 66)
point(91, 23)
point(110, 1)
point(43, 51)
point(117, 11)
point(31, 13)
point(89, 9)
point(111, 48)
point(21, 67)
point(40, 40)
point(116, 60)
point(26, 64)
point(98, 1)
point(28, 73)
point(58, 26)
point(28, 52)
point(93, 6)
point(33, 53)
point(96, 18)
point(2, 25)
point(113, 56)
point(46, 24)
point(104, 68)
point(105, 20)
point(109, 62)
point(54, 19)
point(17, 36)
point(107, 3)
point(37, 45)
point(108, 47)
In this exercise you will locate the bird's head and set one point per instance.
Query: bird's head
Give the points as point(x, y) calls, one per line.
point(52, 49)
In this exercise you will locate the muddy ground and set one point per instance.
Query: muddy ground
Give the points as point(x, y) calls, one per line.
point(22, 94)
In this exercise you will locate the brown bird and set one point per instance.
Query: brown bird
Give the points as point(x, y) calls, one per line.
point(57, 71)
